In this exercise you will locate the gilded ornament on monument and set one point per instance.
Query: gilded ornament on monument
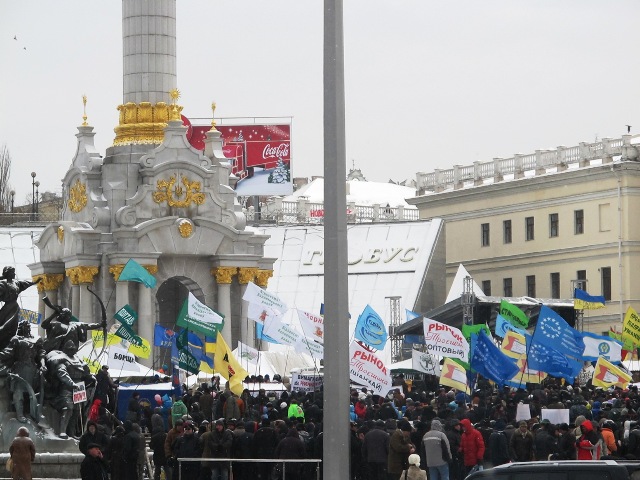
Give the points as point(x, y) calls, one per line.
point(224, 275)
point(116, 270)
point(82, 274)
point(247, 274)
point(177, 195)
point(185, 227)
point(60, 234)
point(262, 277)
point(77, 197)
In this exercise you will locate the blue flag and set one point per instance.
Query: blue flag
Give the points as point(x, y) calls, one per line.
point(163, 337)
point(489, 361)
point(370, 329)
point(549, 360)
point(134, 272)
point(503, 326)
point(583, 301)
point(195, 346)
point(260, 335)
point(552, 331)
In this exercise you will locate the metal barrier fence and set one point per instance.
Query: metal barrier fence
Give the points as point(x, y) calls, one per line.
point(282, 461)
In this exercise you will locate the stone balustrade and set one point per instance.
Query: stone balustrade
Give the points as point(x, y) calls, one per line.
point(539, 162)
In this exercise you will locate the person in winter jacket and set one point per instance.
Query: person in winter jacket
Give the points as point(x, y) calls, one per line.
point(544, 443)
point(471, 445)
point(588, 443)
point(265, 441)
point(217, 444)
point(231, 407)
point(454, 434)
point(295, 410)
point(187, 446)
point(156, 444)
point(499, 445)
point(414, 472)
point(23, 453)
point(609, 437)
point(291, 447)
point(437, 451)
point(375, 450)
point(521, 444)
point(566, 443)
point(130, 450)
point(92, 435)
point(178, 410)
point(400, 447)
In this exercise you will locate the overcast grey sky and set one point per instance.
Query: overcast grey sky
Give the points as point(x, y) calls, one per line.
point(428, 84)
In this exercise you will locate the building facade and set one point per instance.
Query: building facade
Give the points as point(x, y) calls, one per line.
point(539, 232)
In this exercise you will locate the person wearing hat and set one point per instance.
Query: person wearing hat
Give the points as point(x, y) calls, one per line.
point(454, 435)
point(217, 444)
point(521, 444)
point(471, 445)
point(375, 450)
point(22, 452)
point(413, 471)
point(544, 443)
point(93, 466)
point(437, 451)
point(92, 435)
point(265, 441)
point(400, 447)
point(187, 446)
point(566, 443)
point(156, 444)
point(498, 444)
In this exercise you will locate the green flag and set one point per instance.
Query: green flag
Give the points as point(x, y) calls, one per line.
point(468, 330)
point(134, 272)
point(129, 335)
point(126, 316)
point(188, 362)
point(513, 315)
point(196, 316)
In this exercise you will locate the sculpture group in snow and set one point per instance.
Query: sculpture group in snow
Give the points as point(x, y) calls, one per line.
point(42, 372)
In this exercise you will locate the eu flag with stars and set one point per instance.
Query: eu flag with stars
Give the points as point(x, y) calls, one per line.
point(489, 361)
point(552, 331)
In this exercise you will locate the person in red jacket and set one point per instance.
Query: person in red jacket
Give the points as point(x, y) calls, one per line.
point(361, 407)
point(471, 445)
point(588, 444)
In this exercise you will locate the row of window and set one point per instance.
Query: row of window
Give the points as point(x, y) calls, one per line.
point(529, 225)
point(530, 283)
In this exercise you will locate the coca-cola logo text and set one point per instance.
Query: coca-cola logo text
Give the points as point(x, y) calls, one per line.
point(280, 151)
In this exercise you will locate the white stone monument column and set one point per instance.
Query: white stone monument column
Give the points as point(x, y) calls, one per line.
point(149, 50)
point(145, 319)
point(247, 328)
point(224, 277)
point(122, 288)
point(81, 277)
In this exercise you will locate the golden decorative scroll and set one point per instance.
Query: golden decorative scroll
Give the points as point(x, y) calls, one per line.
point(152, 269)
point(48, 281)
point(246, 274)
point(224, 274)
point(262, 277)
point(185, 228)
point(144, 123)
point(60, 234)
point(180, 196)
point(78, 275)
point(116, 270)
point(77, 196)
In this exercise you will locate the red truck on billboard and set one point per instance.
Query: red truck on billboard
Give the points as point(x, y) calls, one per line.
point(248, 146)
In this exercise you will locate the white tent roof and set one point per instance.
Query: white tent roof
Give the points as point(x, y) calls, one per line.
point(362, 193)
point(87, 351)
point(457, 287)
point(272, 362)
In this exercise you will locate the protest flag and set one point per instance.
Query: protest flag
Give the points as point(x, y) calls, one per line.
point(608, 375)
point(454, 375)
point(226, 365)
point(513, 314)
point(370, 329)
point(490, 362)
point(583, 301)
point(134, 272)
point(553, 331)
point(631, 327)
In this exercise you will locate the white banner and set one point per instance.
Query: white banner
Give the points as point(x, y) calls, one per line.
point(245, 352)
point(281, 332)
point(79, 393)
point(312, 325)
point(120, 359)
point(262, 314)
point(424, 362)
point(367, 369)
point(444, 341)
point(305, 383)
point(308, 346)
point(523, 412)
point(555, 415)
point(255, 294)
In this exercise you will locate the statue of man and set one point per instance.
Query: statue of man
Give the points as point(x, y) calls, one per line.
point(10, 289)
point(24, 357)
point(66, 370)
point(59, 328)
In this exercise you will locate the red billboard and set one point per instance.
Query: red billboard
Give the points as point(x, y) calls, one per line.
point(260, 155)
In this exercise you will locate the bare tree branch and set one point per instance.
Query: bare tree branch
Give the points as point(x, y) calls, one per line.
point(5, 173)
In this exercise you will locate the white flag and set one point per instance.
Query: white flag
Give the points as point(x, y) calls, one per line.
point(424, 362)
point(365, 368)
point(312, 325)
point(119, 359)
point(255, 294)
point(308, 346)
point(262, 314)
point(281, 332)
point(445, 341)
point(245, 352)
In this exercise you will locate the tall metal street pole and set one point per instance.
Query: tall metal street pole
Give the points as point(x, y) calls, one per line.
point(336, 396)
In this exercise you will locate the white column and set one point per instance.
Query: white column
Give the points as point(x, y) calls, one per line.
point(122, 294)
point(248, 327)
point(145, 319)
point(75, 300)
point(224, 306)
point(86, 311)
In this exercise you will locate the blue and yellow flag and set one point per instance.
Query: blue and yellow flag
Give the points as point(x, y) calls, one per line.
point(583, 301)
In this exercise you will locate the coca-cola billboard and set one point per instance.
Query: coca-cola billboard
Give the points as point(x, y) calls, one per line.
point(260, 155)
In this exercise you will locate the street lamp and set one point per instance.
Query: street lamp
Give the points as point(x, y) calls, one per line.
point(37, 198)
point(13, 194)
point(33, 195)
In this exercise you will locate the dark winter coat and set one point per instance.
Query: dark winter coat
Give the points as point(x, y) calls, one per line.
point(23, 452)
point(375, 446)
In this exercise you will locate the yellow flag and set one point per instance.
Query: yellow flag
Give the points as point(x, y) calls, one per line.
point(98, 339)
point(631, 327)
point(94, 365)
point(454, 375)
point(142, 351)
point(608, 375)
point(226, 365)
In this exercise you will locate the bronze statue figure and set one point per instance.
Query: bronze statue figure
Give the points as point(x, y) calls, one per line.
point(23, 361)
point(10, 290)
point(66, 370)
point(59, 328)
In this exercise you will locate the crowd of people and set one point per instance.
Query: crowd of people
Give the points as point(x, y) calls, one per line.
point(406, 434)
